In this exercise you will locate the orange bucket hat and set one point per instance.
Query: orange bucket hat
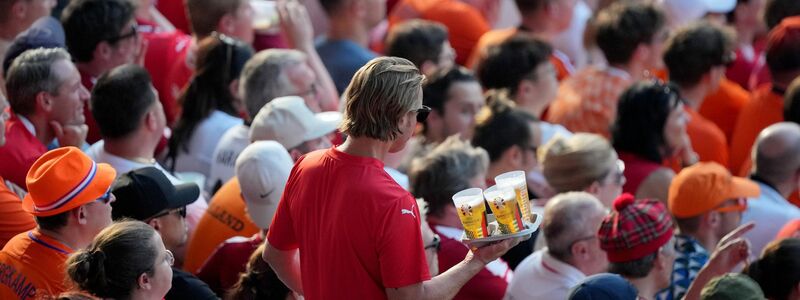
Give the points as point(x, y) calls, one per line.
point(63, 179)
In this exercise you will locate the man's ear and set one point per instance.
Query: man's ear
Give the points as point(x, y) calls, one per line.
point(44, 101)
point(19, 9)
point(155, 223)
point(227, 24)
point(103, 50)
point(80, 214)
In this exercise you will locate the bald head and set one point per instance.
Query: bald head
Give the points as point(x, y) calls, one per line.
point(569, 217)
point(775, 154)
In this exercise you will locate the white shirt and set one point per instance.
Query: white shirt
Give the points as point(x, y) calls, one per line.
point(203, 142)
point(550, 130)
point(541, 276)
point(223, 163)
point(194, 211)
point(770, 211)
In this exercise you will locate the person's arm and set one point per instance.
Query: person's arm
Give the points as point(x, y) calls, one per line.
point(731, 251)
point(447, 284)
point(286, 265)
point(296, 24)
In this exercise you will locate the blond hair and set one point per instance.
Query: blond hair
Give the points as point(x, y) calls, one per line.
point(380, 94)
point(575, 163)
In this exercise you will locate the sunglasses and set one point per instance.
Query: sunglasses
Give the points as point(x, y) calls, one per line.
point(105, 198)
point(229, 43)
point(180, 211)
point(435, 244)
point(132, 33)
point(422, 113)
point(739, 205)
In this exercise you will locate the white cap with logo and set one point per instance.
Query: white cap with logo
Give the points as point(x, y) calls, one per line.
point(263, 169)
point(288, 121)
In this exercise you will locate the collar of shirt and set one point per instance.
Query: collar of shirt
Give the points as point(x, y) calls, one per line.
point(27, 123)
point(768, 192)
point(48, 242)
point(562, 269)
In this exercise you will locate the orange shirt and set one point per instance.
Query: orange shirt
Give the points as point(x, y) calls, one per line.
point(723, 106)
point(707, 139)
point(465, 24)
point(225, 218)
point(559, 60)
point(32, 266)
point(765, 108)
point(13, 219)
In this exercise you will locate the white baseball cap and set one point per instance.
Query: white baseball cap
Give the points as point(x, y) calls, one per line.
point(682, 12)
point(263, 168)
point(288, 121)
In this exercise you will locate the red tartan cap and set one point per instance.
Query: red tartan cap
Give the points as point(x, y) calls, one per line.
point(634, 229)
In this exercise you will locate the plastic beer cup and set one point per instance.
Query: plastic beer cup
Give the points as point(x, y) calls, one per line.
point(517, 181)
point(472, 212)
point(503, 203)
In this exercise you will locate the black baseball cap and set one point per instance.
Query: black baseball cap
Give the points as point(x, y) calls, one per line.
point(143, 193)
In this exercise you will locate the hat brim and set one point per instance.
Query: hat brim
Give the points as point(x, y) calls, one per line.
point(324, 123)
point(96, 188)
point(185, 194)
point(742, 187)
point(261, 213)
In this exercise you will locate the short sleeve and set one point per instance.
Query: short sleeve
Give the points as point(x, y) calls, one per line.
point(400, 248)
point(281, 233)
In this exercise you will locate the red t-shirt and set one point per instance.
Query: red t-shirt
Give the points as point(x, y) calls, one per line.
point(166, 61)
point(19, 153)
point(32, 267)
point(13, 219)
point(358, 231)
point(637, 169)
point(222, 269)
point(94, 130)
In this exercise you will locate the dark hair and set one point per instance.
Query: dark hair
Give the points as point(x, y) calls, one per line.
point(642, 112)
point(634, 269)
point(778, 269)
point(513, 60)
point(777, 10)
point(204, 15)
point(220, 60)
point(89, 22)
point(417, 40)
point(623, 26)
point(531, 6)
point(110, 267)
point(435, 90)
point(791, 102)
point(258, 281)
point(54, 222)
point(694, 50)
point(120, 99)
point(500, 126)
point(783, 56)
point(30, 74)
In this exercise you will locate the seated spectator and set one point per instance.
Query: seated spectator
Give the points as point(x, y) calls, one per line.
point(259, 281)
point(19, 15)
point(732, 286)
point(573, 251)
point(706, 203)
point(696, 57)
point(521, 68)
point(285, 120)
point(344, 49)
point(44, 33)
point(777, 270)
point(131, 122)
point(114, 41)
point(47, 102)
point(262, 170)
point(210, 103)
point(775, 170)
point(267, 75)
point(766, 106)
point(147, 195)
point(449, 168)
point(604, 286)
point(631, 36)
point(13, 219)
point(127, 260)
point(583, 162)
point(422, 42)
point(637, 237)
point(650, 128)
point(69, 196)
point(542, 19)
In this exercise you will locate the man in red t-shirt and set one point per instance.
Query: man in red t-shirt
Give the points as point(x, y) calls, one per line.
point(355, 230)
point(47, 102)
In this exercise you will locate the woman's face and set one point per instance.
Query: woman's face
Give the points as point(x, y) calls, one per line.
point(161, 279)
point(675, 136)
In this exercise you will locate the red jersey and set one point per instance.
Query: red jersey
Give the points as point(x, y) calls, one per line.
point(357, 230)
point(21, 150)
point(94, 130)
point(221, 271)
point(166, 61)
point(32, 267)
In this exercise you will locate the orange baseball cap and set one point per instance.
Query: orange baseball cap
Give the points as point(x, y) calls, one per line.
point(63, 179)
point(704, 186)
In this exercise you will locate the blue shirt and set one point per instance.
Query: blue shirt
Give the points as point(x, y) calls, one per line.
point(343, 58)
point(690, 258)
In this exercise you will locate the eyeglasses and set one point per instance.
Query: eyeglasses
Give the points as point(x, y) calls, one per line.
point(435, 244)
point(132, 33)
point(422, 113)
point(105, 198)
point(618, 172)
point(180, 211)
point(739, 205)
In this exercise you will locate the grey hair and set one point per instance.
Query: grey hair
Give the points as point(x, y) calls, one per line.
point(264, 78)
point(566, 221)
point(32, 73)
